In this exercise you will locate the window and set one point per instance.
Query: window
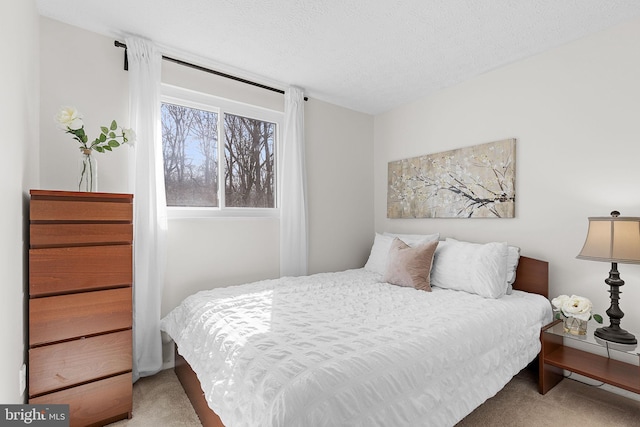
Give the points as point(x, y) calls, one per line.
point(218, 154)
point(190, 151)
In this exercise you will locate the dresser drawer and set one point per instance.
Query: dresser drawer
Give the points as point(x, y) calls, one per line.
point(100, 402)
point(64, 270)
point(52, 235)
point(62, 365)
point(65, 317)
point(80, 211)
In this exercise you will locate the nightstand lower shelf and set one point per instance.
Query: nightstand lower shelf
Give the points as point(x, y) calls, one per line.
point(556, 357)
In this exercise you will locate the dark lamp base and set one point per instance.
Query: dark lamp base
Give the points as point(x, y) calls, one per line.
point(617, 335)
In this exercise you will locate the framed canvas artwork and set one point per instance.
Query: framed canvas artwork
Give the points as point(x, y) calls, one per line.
point(470, 182)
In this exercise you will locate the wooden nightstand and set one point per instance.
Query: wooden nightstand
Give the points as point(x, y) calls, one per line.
point(611, 363)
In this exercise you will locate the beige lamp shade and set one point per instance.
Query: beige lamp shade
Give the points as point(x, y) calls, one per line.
point(612, 239)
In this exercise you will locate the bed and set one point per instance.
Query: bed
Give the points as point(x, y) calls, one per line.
point(350, 349)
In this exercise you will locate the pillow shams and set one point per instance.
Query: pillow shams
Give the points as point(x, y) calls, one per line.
point(410, 266)
point(475, 268)
point(377, 261)
point(414, 239)
point(513, 257)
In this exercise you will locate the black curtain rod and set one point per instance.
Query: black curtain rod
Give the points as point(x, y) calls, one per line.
point(200, 68)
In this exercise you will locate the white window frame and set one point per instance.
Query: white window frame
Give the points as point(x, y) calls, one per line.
point(203, 101)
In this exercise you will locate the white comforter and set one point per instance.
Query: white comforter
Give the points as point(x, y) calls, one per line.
point(342, 349)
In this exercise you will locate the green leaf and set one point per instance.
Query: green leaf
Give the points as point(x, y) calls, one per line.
point(114, 143)
point(114, 125)
point(98, 149)
point(84, 139)
point(112, 134)
point(102, 137)
point(557, 316)
point(597, 318)
point(104, 129)
point(106, 147)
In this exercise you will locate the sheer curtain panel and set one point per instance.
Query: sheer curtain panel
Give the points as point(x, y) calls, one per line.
point(150, 219)
point(293, 200)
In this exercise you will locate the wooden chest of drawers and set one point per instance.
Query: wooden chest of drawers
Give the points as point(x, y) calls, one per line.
point(80, 304)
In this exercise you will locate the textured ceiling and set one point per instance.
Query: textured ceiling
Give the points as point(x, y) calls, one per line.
point(369, 56)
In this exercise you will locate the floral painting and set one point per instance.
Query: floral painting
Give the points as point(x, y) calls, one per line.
point(471, 182)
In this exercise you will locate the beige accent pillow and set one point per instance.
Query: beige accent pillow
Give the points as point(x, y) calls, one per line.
point(410, 266)
point(377, 261)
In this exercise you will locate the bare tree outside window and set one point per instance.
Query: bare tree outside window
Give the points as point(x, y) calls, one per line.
point(249, 171)
point(191, 164)
point(190, 150)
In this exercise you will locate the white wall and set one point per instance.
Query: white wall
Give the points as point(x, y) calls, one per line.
point(81, 69)
point(339, 165)
point(575, 112)
point(19, 119)
point(205, 253)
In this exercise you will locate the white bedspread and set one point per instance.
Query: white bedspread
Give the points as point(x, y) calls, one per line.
point(342, 349)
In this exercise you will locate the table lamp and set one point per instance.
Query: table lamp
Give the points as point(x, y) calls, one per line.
point(613, 239)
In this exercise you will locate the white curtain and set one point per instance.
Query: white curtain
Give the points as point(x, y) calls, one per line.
point(292, 186)
point(150, 219)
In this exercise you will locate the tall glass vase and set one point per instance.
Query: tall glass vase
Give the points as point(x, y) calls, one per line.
point(88, 170)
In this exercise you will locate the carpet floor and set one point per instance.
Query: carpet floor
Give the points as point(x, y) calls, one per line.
point(159, 401)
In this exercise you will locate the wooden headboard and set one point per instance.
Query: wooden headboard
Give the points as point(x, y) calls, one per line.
point(532, 276)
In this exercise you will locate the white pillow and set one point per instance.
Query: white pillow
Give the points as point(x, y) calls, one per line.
point(377, 261)
point(513, 256)
point(414, 239)
point(471, 267)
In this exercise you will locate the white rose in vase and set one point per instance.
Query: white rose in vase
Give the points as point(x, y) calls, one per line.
point(578, 307)
point(559, 301)
point(129, 136)
point(69, 118)
point(574, 306)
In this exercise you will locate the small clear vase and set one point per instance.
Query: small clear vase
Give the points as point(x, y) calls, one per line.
point(575, 326)
point(88, 171)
